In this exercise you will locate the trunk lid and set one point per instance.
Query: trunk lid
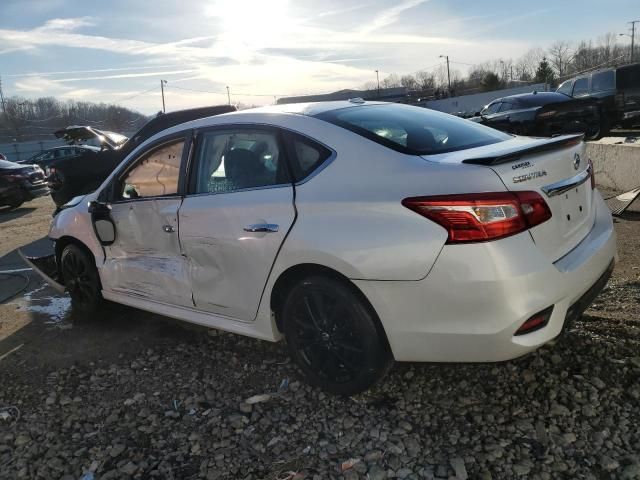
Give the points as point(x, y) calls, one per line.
point(558, 169)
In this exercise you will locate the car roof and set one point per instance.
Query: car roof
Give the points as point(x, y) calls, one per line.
point(551, 96)
point(310, 108)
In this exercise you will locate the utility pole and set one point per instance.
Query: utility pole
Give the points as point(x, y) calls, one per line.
point(378, 79)
point(448, 72)
point(633, 36)
point(512, 73)
point(2, 96)
point(228, 95)
point(162, 84)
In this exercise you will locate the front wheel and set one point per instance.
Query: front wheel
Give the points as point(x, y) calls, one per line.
point(81, 278)
point(334, 336)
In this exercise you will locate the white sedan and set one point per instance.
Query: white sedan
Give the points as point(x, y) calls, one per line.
point(360, 232)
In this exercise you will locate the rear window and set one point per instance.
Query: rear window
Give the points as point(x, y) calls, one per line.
point(413, 130)
point(603, 81)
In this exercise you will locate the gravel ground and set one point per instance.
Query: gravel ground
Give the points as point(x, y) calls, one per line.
point(134, 395)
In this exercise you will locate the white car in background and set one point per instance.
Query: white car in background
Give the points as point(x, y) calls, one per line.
point(360, 232)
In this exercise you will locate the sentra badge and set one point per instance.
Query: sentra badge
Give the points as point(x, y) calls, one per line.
point(529, 176)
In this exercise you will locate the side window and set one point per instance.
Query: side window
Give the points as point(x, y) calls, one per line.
point(237, 159)
point(506, 106)
point(603, 81)
point(307, 156)
point(565, 87)
point(492, 108)
point(581, 87)
point(155, 173)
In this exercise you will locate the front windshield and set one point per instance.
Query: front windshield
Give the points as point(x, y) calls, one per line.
point(413, 130)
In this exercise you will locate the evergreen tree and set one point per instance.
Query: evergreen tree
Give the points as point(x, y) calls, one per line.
point(544, 73)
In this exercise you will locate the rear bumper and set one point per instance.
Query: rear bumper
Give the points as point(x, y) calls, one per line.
point(476, 296)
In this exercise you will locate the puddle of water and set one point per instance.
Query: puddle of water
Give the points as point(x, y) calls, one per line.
point(56, 308)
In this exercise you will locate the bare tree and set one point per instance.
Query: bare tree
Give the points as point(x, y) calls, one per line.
point(560, 56)
point(526, 66)
point(27, 119)
point(426, 80)
point(409, 81)
point(391, 81)
point(371, 85)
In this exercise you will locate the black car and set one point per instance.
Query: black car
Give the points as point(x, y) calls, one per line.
point(20, 183)
point(46, 157)
point(616, 91)
point(79, 175)
point(542, 114)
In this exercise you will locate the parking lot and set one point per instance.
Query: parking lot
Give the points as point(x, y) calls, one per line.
point(134, 395)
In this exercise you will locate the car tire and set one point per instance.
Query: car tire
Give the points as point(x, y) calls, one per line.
point(81, 279)
point(334, 336)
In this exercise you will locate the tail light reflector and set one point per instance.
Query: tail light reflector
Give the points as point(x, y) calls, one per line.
point(481, 217)
point(538, 321)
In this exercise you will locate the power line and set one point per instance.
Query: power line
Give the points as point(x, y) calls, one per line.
point(463, 63)
point(196, 90)
point(134, 95)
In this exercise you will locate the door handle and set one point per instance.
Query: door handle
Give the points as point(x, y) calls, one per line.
point(262, 227)
point(168, 228)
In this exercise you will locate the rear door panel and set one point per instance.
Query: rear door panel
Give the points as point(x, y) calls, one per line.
point(229, 266)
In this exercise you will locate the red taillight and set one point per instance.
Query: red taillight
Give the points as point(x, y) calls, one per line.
point(538, 321)
point(480, 217)
point(593, 175)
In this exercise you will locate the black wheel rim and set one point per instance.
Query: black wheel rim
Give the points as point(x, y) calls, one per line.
point(78, 278)
point(325, 336)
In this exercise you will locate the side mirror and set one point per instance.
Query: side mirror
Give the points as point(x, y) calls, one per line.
point(478, 114)
point(96, 207)
point(102, 223)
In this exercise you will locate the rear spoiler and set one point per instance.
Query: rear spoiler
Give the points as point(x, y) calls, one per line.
point(559, 143)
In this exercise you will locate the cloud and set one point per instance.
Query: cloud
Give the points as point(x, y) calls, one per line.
point(37, 85)
point(330, 13)
point(67, 24)
point(127, 75)
point(390, 15)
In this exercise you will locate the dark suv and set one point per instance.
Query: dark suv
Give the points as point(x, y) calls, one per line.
point(617, 91)
point(82, 174)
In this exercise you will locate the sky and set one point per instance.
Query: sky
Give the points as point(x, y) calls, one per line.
point(118, 51)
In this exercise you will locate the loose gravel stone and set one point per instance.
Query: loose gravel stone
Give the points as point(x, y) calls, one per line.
point(211, 408)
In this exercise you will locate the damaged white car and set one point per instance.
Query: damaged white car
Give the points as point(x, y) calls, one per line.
point(360, 232)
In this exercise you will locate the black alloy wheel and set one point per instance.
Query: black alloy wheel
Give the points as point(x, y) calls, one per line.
point(334, 337)
point(81, 278)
